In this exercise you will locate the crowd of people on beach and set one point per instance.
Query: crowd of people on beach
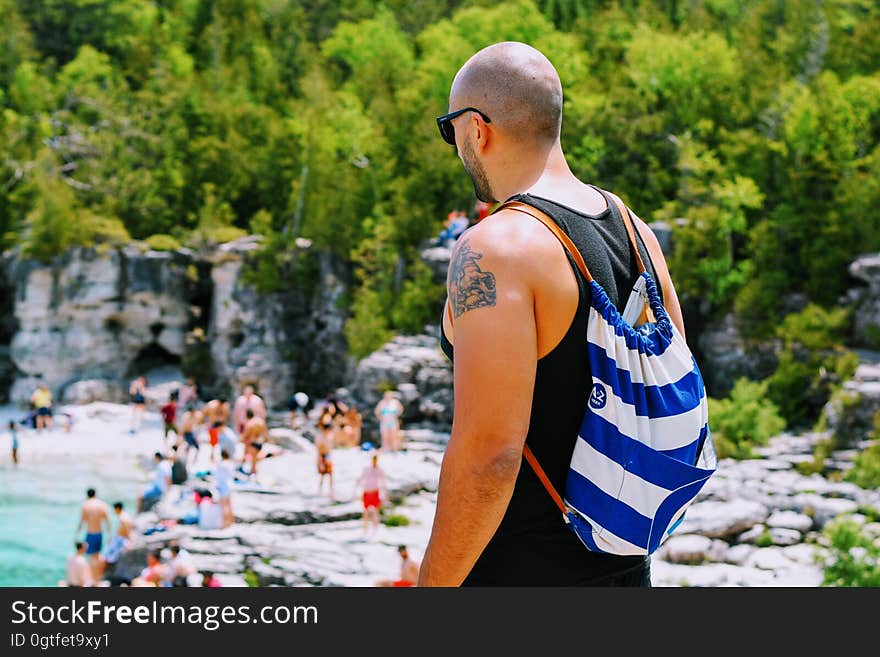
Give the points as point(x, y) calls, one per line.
point(237, 439)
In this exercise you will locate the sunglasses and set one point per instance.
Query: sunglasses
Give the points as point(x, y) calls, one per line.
point(447, 130)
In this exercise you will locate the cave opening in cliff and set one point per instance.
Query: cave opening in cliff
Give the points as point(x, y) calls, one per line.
point(8, 327)
point(198, 359)
point(155, 359)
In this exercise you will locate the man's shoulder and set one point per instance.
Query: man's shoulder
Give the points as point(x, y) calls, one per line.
point(508, 236)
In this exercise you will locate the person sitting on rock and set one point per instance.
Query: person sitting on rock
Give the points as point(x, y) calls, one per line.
point(161, 482)
point(78, 570)
point(181, 566)
point(409, 571)
point(155, 573)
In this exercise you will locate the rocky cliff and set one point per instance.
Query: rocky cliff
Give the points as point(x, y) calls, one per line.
point(91, 320)
point(96, 315)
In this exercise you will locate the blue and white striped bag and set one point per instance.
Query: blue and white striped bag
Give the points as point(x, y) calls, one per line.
point(644, 449)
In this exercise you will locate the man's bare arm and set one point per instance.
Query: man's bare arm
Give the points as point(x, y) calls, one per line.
point(494, 371)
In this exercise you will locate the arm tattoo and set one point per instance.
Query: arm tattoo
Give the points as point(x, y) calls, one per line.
point(469, 286)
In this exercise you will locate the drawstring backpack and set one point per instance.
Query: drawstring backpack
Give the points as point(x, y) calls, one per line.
point(644, 450)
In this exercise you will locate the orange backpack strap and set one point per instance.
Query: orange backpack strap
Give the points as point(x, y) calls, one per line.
point(532, 461)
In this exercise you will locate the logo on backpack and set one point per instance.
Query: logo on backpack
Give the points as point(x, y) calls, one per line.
point(598, 396)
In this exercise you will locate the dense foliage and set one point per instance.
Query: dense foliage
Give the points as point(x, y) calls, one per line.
point(744, 419)
point(854, 558)
point(752, 127)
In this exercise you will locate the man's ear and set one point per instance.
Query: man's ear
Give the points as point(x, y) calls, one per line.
point(481, 133)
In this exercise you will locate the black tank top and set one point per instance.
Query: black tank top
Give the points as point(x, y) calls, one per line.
point(532, 546)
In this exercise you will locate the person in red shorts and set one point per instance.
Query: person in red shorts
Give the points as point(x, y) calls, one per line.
point(216, 414)
point(409, 571)
point(373, 483)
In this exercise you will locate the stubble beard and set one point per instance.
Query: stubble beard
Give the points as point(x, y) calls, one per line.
point(474, 169)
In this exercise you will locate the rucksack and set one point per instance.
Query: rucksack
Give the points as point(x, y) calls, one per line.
point(644, 450)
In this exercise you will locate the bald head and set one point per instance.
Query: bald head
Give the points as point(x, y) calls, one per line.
point(516, 87)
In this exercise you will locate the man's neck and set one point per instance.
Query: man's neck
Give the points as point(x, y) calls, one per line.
point(555, 174)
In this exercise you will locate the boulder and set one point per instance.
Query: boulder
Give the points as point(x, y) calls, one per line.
point(415, 366)
point(723, 519)
point(686, 548)
point(92, 390)
point(790, 520)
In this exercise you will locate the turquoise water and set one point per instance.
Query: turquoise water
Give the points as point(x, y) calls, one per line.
point(39, 513)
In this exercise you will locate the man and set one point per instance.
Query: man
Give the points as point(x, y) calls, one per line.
point(169, 416)
point(95, 515)
point(409, 571)
point(161, 482)
point(42, 403)
point(216, 414)
point(374, 485)
point(247, 401)
point(189, 424)
point(78, 572)
point(517, 315)
point(120, 540)
point(254, 435)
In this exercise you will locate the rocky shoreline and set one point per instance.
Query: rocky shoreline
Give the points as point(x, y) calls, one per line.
point(758, 522)
point(285, 534)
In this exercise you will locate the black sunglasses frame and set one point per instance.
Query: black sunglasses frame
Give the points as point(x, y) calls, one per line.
point(447, 130)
